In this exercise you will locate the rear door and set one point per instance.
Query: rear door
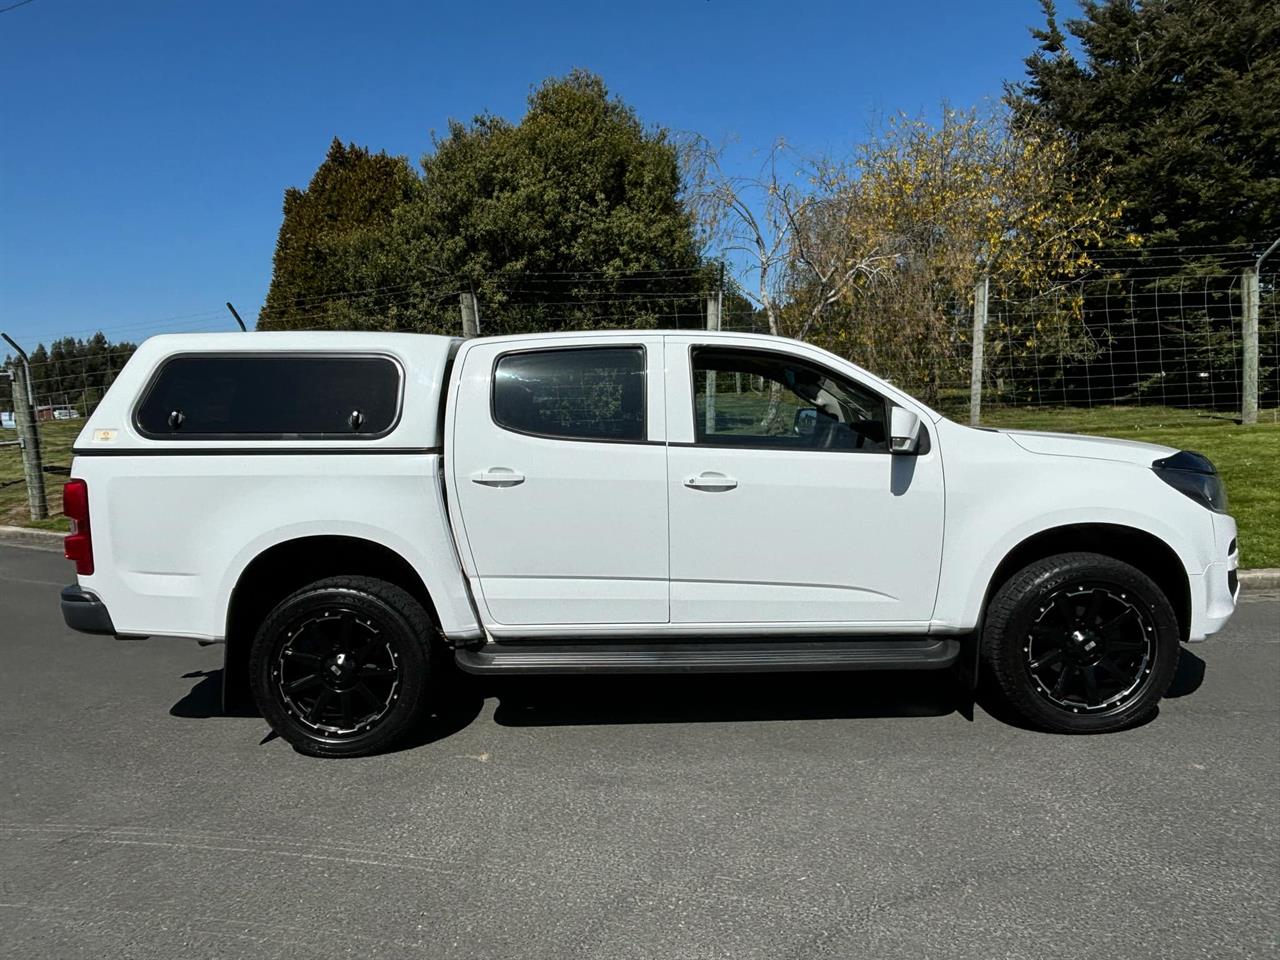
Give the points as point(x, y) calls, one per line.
point(786, 506)
point(559, 475)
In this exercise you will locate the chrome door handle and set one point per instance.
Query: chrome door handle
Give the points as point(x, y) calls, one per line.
point(711, 481)
point(497, 477)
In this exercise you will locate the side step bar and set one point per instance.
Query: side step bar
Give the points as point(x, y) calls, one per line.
point(532, 657)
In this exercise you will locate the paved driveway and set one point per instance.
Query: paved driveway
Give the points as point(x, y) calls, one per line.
point(771, 817)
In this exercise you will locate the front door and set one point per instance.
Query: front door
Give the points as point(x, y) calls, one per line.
point(786, 505)
point(559, 471)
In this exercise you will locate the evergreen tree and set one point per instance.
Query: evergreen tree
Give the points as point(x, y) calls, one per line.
point(71, 372)
point(330, 240)
point(544, 219)
point(1178, 103)
point(548, 221)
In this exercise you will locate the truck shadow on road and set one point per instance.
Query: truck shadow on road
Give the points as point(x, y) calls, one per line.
point(702, 698)
point(1187, 679)
point(204, 701)
point(551, 701)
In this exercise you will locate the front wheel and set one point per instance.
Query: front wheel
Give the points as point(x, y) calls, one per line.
point(1081, 643)
point(340, 668)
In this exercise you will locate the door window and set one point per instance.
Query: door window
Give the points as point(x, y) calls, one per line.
point(750, 398)
point(593, 393)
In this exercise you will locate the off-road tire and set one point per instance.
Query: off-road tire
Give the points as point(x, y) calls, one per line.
point(378, 617)
point(1023, 620)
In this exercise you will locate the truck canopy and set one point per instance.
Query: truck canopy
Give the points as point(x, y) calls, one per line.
point(247, 389)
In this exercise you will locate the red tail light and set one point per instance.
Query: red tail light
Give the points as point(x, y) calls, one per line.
point(79, 544)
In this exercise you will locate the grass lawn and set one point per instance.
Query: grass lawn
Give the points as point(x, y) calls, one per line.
point(56, 438)
point(1248, 458)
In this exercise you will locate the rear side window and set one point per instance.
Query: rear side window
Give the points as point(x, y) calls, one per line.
point(594, 393)
point(283, 397)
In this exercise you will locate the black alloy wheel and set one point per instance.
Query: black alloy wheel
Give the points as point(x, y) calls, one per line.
point(342, 667)
point(335, 672)
point(1091, 648)
point(1081, 643)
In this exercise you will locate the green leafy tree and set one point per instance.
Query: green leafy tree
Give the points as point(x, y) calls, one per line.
point(1178, 101)
point(332, 267)
point(570, 218)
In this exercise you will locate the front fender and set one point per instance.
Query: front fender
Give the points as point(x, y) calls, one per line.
point(1003, 496)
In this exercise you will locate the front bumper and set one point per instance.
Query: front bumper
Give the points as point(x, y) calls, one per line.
point(84, 612)
point(1215, 592)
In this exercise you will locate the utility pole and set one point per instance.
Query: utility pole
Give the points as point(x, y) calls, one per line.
point(1251, 294)
point(980, 292)
point(470, 314)
point(24, 415)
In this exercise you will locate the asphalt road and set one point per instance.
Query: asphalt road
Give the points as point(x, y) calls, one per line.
point(771, 817)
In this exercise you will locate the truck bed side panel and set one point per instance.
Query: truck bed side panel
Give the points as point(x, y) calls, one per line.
point(176, 532)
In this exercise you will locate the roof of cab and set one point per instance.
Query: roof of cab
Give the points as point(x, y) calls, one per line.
point(236, 339)
point(294, 339)
point(376, 339)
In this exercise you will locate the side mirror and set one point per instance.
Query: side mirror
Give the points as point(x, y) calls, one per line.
point(805, 422)
point(904, 431)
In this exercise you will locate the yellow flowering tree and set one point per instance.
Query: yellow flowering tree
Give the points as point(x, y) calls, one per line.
point(951, 202)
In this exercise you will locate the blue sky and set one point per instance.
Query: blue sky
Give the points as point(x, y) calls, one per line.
point(146, 145)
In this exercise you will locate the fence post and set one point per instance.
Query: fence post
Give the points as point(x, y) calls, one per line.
point(24, 415)
point(470, 314)
point(1252, 296)
point(1249, 332)
point(979, 332)
point(713, 323)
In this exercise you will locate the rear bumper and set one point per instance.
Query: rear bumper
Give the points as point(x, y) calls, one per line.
point(84, 612)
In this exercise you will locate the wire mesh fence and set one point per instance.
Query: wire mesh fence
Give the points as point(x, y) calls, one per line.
point(1169, 341)
point(1173, 341)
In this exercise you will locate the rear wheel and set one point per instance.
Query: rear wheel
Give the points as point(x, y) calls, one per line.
point(341, 667)
point(1081, 643)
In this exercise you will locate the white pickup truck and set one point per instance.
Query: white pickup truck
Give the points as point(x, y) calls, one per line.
point(350, 512)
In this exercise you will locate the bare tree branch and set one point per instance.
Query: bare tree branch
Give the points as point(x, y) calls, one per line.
point(781, 220)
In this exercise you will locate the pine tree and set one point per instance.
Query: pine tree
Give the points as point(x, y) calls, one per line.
point(1178, 102)
point(330, 237)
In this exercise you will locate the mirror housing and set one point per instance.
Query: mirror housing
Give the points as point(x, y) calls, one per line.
point(904, 431)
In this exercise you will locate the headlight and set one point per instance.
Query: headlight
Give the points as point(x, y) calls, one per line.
point(1193, 474)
